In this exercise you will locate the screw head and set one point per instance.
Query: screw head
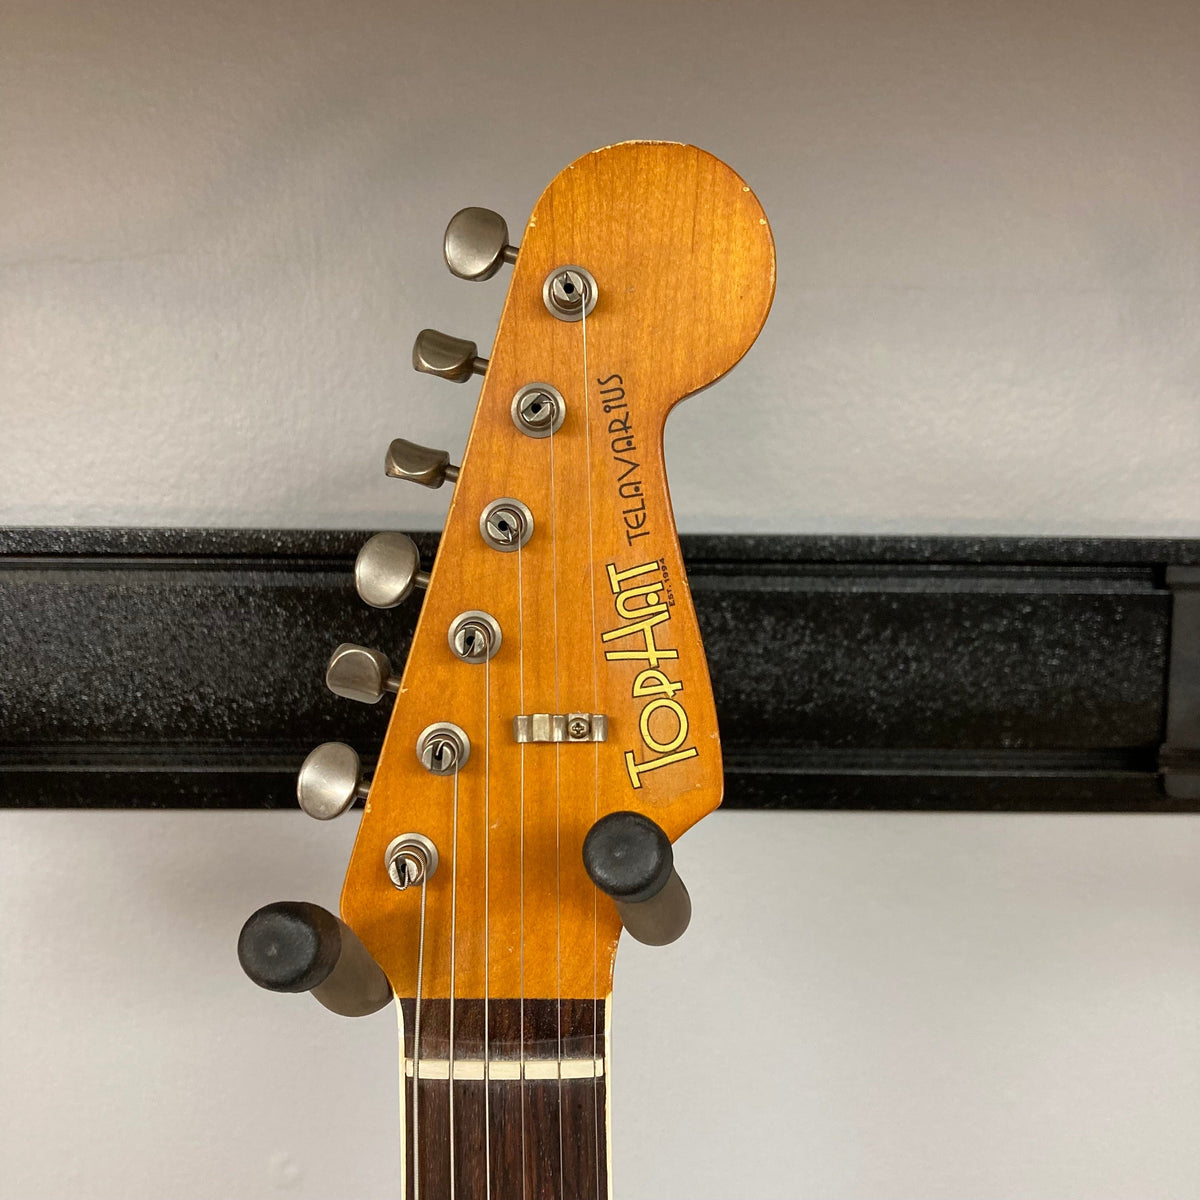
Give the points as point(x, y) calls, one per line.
point(471, 641)
point(440, 755)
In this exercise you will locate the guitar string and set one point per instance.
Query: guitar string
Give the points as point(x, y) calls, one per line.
point(453, 961)
point(587, 426)
point(557, 805)
point(417, 1050)
point(521, 940)
point(487, 940)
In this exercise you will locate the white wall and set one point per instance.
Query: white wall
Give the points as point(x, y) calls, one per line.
point(219, 230)
point(867, 1007)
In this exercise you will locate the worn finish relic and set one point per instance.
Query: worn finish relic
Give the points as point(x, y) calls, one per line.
point(556, 683)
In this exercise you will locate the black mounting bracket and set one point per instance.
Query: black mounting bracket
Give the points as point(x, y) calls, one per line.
point(1179, 759)
point(167, 668)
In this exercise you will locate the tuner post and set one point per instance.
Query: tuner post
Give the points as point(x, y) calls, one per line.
point(629, 858)
point(295, 946)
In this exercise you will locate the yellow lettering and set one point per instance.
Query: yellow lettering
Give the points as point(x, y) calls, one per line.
point(644, 607)
point(651, 592)
point(616, 578)
point(654, 683)
point(652, 655)
point(637, 770)
point(680, 716)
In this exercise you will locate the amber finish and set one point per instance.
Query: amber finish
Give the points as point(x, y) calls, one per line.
point(685, 266)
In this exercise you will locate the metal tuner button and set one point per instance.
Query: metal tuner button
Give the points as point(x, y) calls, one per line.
point(419, 464)
point(476, 244)
point(330, 781)
point(447, 357)
point(387, 569)
point(360, 673)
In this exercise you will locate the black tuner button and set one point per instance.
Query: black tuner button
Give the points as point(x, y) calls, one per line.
point(294, 946)
point(629, 857)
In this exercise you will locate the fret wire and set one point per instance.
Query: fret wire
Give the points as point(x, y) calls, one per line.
point(580, 1075)
point(508, 1070)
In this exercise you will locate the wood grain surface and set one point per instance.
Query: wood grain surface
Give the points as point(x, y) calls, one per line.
point(544, 1138)
point(595, 610)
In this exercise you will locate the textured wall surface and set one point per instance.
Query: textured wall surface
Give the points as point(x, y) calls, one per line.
point(220, 229)
point(878, 1007)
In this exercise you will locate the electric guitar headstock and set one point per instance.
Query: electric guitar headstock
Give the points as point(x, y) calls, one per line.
point(553, 730)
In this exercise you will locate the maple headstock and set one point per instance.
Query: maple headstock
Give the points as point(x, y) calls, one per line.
point(597, 624)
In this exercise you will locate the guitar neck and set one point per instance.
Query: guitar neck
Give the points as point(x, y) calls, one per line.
point(512, 1099)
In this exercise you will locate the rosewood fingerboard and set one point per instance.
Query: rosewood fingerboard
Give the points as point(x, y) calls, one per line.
point(541, 1120)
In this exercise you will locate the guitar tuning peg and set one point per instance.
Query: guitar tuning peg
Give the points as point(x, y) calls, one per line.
point(330, 781)
point(419, 464)
point(456, 359)
point(387, 569)
point(358, 673)
point(476, 244)
point(629, 857)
